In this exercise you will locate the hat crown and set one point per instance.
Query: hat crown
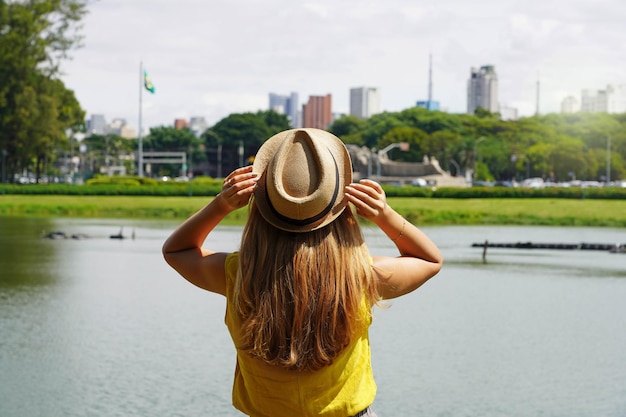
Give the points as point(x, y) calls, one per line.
point(303, 174)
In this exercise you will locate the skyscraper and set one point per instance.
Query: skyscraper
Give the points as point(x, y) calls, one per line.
point(198, 125)
point(482, 89)
point(570, 105)
point(287, 105)
point(97, 125)
point(616, 98)
point(364, 102)
point(317, 112)
point(610, 100)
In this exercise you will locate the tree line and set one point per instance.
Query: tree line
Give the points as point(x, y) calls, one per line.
point(556, 147)
point(39, 119)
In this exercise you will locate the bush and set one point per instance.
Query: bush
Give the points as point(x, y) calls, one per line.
point(121, 180)
point(205, 186)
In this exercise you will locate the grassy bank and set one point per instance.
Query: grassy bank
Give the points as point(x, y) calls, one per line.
point(423, 211)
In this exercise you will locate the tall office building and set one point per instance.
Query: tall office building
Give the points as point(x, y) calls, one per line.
point(482, 89)
point(198, 125)
point(364, 102)
point(317, 112)
point(570, 105)
point(593, 101)
point(616, 98)
point(610, 100)
point(508, 113)
point(180, 124)
point(97, 125)
point(120, 128)
point(287, 105)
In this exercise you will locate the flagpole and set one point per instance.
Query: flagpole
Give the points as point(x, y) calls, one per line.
point(140, 143)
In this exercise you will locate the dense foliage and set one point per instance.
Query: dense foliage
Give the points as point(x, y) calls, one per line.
point(36, 109)
point(557, 147)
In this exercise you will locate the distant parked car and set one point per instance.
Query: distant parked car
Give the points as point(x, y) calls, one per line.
point(533, 183)
point(419, 182)
point(503, 184)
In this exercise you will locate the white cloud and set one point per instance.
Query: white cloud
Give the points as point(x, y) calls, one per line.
point(215, 58)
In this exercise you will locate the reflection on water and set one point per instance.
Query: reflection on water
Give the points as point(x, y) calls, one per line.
point(102, 326)
point(22, 256)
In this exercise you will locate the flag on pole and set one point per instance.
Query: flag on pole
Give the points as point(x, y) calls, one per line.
point(147, 82)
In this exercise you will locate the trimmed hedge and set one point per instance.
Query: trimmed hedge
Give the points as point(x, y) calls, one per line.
point(211, 187)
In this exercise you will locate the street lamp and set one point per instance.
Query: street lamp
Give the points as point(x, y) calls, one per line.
point(480, 139)
point(219, 160)
point(4, 156)
point(608, 160)
point(404, 146)
point(370, 156)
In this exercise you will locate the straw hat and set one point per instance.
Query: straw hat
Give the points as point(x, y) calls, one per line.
point(303, 173)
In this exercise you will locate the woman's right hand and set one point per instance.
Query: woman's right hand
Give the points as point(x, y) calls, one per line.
point(237, 188)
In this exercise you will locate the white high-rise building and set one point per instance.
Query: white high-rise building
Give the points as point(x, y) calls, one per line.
point(610, 100)
point(482, 89)
point(616, 98)
point(570, 105)
point(364, 102)
point(593, 101)
point(508, 113)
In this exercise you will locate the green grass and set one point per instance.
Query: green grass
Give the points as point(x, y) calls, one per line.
point(515, 211)
point(423, 211)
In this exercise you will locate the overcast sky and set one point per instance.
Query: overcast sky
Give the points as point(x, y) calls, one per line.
point(212, 58)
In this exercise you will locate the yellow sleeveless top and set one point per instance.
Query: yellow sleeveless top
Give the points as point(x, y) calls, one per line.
point(340, 389)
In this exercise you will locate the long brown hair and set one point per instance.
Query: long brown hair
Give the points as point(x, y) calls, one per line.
point(301, 296)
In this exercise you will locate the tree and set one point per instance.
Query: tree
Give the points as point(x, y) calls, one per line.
point(431, 121)
point(35, 107)
point(349, 129)
point(170, 139)
point(275, 122)
point(416, 138)
point(444, 145)
point(377, 126)
point(240, 132)
point(109, 150)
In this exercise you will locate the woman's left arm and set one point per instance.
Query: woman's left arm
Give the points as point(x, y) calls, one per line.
point(183, 249)
point(420, 258)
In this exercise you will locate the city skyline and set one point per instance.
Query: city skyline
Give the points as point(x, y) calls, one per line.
point(218, 58)
point(613, 103)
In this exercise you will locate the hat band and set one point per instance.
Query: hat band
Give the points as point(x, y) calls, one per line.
point(313, 219)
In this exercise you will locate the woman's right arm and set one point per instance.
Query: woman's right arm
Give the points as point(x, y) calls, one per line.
point(183, 249)
point(420, 258)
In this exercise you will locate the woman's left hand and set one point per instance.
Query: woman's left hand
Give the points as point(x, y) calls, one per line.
point(368, 198)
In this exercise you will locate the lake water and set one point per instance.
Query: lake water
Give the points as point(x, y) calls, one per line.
point(103, 327)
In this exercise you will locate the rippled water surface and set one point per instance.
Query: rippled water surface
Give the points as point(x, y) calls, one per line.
point(102, 327)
